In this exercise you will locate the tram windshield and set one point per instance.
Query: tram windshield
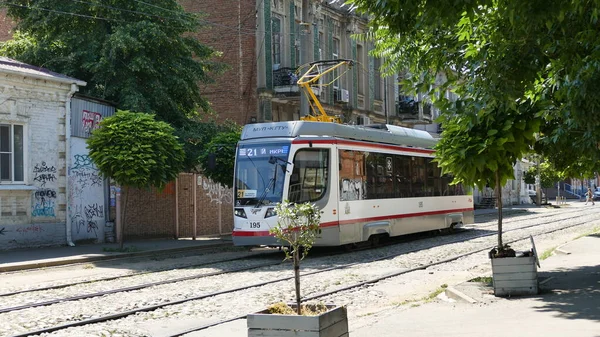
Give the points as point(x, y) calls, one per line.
point(260, 173)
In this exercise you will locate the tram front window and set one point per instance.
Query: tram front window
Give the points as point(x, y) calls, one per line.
point(260, 173)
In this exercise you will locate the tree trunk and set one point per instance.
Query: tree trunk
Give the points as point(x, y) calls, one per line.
point(499, 202)
point(123, 218)
point(297, 277)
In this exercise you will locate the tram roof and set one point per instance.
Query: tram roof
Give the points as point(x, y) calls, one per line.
point(380, 133)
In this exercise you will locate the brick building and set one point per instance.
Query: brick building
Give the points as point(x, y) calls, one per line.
point(260, 41)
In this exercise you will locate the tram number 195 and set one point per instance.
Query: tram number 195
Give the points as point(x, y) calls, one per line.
point(254, 224)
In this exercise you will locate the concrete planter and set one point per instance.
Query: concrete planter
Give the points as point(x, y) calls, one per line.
point(514, 276)
point(333, 323)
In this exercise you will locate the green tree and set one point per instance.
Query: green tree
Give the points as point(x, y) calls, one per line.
point(549, 176)
point(502, 53)
point(481, 151)
point(298, 227)
point(136, 151)
point(142, 56)
point(530, 66)
point(218, 157)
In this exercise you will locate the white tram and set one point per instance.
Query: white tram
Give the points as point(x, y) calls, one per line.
point(367, 181)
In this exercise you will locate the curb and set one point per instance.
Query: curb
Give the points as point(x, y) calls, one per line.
point(61, 261)
point(454, 294)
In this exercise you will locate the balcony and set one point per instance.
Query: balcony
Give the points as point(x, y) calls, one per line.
point(284, 82)
point(407, 107)
point(285, 87)
point(411, 111)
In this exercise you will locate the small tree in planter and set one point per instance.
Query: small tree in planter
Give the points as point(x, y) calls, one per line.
point(298, 227)
point(480, 151)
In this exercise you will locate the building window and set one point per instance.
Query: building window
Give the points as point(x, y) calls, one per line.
point(361, 69)
point(276, 28)
point(11, 153)
point(336, 55)
point(377, 75)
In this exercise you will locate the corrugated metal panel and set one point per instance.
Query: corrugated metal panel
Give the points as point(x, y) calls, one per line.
point(86, 115)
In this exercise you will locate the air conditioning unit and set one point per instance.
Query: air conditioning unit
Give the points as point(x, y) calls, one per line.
point(341, 95)
point(363, 120)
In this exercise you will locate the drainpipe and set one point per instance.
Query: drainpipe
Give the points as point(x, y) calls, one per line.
point(74, 89)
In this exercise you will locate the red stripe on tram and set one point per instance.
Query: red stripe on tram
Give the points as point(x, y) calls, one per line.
point(351, 221)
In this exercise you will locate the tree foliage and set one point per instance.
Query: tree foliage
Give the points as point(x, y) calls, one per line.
point(221, 147)
point(519, 69)
point(136, 150)
point(142, 56)
point(498, 56)
point(549, 176)
point(298, 228)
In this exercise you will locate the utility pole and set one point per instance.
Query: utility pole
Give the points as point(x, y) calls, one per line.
point(305, 28)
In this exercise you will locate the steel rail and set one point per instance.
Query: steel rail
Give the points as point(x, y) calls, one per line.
point(260, 284)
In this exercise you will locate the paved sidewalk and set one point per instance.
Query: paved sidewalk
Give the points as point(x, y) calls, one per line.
point(568, 305)
point(27, 258)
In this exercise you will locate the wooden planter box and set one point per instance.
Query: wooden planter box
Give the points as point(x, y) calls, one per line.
point(514, 276)
point(333, 323)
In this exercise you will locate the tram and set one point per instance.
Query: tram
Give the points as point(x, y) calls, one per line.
point(368, 181)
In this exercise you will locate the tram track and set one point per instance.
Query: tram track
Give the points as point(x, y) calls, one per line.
point(395, 241)
point(255, 285)
point(375, 280)
point(103, 279)
point(142, 273)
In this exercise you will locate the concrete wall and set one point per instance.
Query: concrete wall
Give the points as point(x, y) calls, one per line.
point(86, 198)
point(33, 213)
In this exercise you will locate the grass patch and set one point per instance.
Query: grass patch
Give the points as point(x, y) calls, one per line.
point(434, 294)
point(547, 253)
point(596, 230)
point(130, 249)
point(482, 279)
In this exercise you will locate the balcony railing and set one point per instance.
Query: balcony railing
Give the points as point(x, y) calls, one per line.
point(284, 77)
point(406, 105)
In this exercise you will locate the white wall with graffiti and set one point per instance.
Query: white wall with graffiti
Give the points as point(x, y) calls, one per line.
point(86, 195)
point(33, 146)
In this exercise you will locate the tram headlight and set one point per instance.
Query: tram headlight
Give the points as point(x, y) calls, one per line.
point(240, 212)
point(270, 212)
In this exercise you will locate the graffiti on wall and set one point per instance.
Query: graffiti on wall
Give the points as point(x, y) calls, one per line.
point(83, 176)
point(44, 198)
point(2, 230)
point(30, 229)
point(215, 191)
point(85, 172)
point(86, 194)
point(86, 218)
point(44, 201)
point(44, 173)
point(90, 121)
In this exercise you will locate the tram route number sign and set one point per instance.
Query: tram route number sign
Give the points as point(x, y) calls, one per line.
point(264, 151)
point(246, 194)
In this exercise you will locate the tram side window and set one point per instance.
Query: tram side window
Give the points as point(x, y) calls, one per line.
point(434, 181)
point(418, 176)
point(402, 183)
point(371, 170)
point(448, 189)
point(310, 176)
point(352, 175)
